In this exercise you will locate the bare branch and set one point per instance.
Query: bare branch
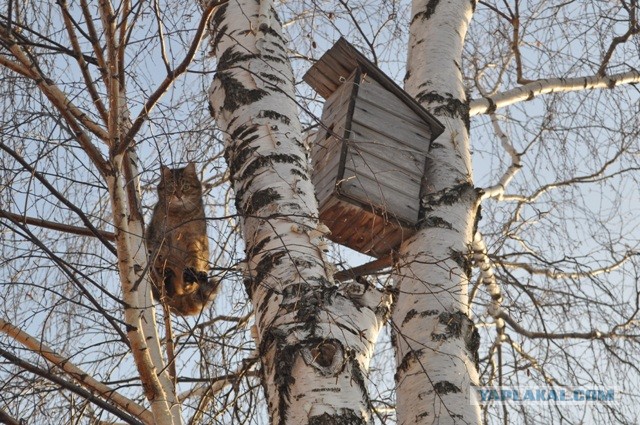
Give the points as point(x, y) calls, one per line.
point(497, 191)
point(170, 78)
point(59, 196)
point(552, 85)
point(87, 395)
point(66, 228)
point(80, 376)
point(84, 67)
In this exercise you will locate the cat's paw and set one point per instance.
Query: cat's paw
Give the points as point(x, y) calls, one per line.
point(208, 289)
point(190, 275)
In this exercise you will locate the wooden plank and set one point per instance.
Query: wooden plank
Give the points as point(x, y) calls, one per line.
point(325, 185)
point(382, 244)
point(338, 215)
point(392, 203)
point(327, 148)
point(387, 177)
point(362, 230)
point(359, 236)
point(375, 95)
point(391, 128)
point(335, 116)
point(320, 82)
point(387, 158)
point(341, 59)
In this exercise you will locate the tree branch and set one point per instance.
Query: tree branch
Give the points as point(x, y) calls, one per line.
point(169, 79)
point(532, 90)
point(66, 228)
point(84, 67)
point(87, 395)
point(59, 196)
point(80, 376)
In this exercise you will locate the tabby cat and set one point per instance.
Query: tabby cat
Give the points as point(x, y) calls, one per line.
point(178, 245)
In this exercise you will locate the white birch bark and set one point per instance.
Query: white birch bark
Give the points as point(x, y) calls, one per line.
point(487, 105)
point(136, 290)
point(436, 342)
point(315, 339)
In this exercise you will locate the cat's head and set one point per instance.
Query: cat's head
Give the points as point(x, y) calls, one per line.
point(180, 187)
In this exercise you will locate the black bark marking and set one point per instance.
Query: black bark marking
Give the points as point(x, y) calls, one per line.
point(298, 173)
point(261, 199)
point(267, 299)
point(428, 11)
point(236, 94)
point(345, 417)
point(273, 115)
point(238, 155)
point(410, 315)
point(266, 264)
point(273, 58)
point(446, 196)
point(459, 325)
point(445, 387)
point(447, 105)
point(284, 360)
point(270, 31)
point(472, 343)
point(463, 260)
point(272, 78)
point(217, 30)
point(230, 58)
point(431, 222)
point(411, 356)
point(269, 160)
point(478, 216)
point(242, 131)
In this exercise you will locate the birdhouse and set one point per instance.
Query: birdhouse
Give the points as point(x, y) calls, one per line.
point(370, 153)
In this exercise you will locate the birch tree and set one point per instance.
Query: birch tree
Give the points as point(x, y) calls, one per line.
point(523, 270)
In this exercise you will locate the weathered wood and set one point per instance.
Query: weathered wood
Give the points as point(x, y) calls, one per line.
point(374, 94)
point(327, 149)
point(368, 193)
point(363, 141)
point(370, 153)
point(388, 176)
point(326, 186)
point(341, 60)
point(381, 126)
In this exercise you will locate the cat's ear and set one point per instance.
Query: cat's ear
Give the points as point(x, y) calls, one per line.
point(191, 168)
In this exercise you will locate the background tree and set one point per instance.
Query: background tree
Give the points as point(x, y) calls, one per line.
point(95, 96)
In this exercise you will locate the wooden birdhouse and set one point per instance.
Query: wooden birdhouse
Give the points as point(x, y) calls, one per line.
point(370, 153)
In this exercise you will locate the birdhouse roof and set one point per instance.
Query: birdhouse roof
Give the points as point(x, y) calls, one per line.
point(337, 64)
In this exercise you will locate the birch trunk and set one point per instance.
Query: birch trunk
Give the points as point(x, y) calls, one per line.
point(315, 339)
point(436, 342)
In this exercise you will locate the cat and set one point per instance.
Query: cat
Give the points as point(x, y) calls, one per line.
point(178, 245)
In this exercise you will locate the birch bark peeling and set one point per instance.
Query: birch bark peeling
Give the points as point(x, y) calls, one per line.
point(314, 338)
point(436, 342)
